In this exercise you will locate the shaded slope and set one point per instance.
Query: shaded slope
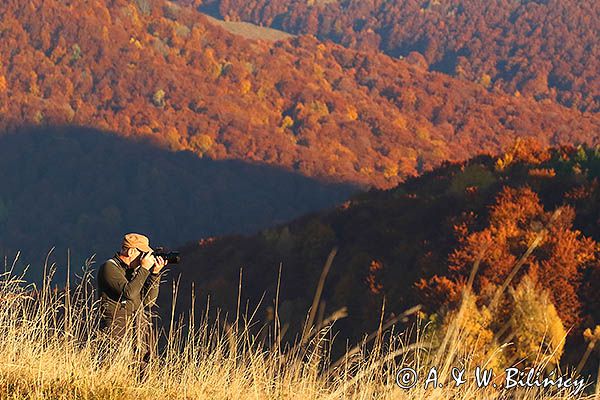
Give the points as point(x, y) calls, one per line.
point(83, 189)
point(390, 240)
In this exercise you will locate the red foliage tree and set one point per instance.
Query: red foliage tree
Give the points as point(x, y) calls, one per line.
point(516, 220)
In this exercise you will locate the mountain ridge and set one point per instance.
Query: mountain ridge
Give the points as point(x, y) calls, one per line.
point(416, 244)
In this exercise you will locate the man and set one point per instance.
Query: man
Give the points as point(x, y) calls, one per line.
point(128, 286)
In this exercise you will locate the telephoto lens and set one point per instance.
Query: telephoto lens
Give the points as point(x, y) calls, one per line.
point(172, 257)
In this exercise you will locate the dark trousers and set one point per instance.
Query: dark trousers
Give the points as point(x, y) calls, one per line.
point(137, 328)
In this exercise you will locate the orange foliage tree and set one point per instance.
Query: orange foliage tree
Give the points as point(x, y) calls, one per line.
point(518, 223)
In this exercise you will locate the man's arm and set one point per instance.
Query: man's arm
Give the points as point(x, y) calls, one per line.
point(151, 290)
point(116, 282)
point(152, 284)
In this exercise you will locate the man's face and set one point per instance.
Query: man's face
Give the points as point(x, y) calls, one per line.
point(135, 255)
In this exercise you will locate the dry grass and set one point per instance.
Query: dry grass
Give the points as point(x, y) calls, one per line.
point(52, 349)
point(251, 31)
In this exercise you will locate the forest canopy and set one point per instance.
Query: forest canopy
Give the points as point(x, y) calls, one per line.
point(540, 49)
point(161, 70)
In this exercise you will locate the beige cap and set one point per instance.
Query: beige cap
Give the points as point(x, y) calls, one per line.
point(135, 240)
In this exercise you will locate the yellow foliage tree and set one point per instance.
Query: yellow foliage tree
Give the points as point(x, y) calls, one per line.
point(539, 334)
point(246, 85)
point(318, 108)
point(352, 113)
point(467, 332)
point(390, 171)
point(400, 122)
point(33, 86)
point(477, 332)
point(158, 98)
point(486, 80)
point(287, 122)
point(202, 142)
point(422, 133)
point(172, 138)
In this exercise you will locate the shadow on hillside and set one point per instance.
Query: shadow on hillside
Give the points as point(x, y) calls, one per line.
point(83, 189)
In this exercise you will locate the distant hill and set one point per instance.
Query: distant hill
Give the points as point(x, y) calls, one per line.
point(82, 189)
point(162, 70)
point(414, 243)
point(542, 49)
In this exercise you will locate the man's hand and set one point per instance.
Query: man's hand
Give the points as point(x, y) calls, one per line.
point(147, 261)
point(159, 265)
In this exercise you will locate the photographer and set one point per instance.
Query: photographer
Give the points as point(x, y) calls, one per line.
point(128, 286)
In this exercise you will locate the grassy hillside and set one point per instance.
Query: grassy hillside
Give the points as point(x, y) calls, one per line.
point(51, 349)
point(251, 31)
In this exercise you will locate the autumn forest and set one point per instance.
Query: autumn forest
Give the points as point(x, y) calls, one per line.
point(161, 70)
point(356, 159)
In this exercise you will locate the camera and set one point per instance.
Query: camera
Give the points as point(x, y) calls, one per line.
point(172, 257)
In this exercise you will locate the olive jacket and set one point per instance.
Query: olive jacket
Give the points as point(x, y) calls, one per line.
point(125, 293)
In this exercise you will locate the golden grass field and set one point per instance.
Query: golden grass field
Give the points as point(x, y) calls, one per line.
point(250, 31)
point(51, 349)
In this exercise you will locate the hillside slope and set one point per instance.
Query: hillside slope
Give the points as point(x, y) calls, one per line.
point(416, 244)
point(82, 189)
point(543, 49)
point(161, 70)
